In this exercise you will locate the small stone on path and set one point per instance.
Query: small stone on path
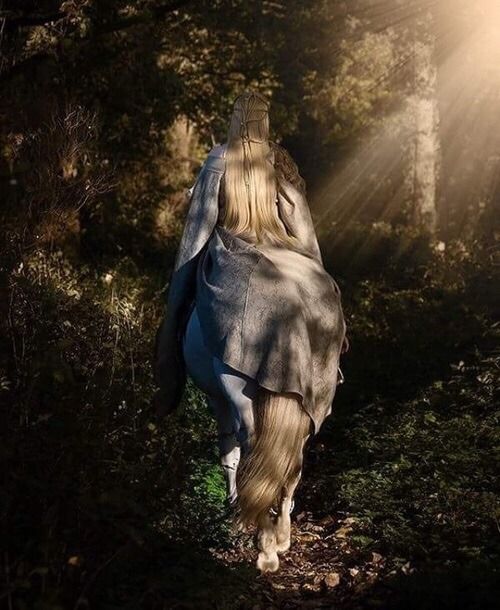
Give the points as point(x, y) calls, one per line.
point(332, 580)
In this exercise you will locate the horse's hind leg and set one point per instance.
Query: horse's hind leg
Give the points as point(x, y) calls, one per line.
point(268, 560)
point(274, 534)
point(199, 364)
point(240, 392)
point(283, 521)
point(229, 446)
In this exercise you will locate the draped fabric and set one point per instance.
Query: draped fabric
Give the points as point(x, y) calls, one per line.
point(270, 312)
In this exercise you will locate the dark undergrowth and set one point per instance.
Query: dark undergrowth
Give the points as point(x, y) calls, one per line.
point(102, 506)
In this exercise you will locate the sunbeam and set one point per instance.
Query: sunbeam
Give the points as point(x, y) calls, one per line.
point(447, 95)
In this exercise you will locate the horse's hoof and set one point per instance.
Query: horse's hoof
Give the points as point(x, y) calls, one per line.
point(268, 562)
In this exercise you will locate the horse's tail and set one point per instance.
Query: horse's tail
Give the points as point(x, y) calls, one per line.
point(275, 457)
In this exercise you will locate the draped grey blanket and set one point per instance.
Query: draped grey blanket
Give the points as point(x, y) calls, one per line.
point(269, 312)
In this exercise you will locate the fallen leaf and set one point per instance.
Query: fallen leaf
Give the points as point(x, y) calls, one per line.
point(332, 580)
point(342, 532)
point(310, 587)
point(376, 557)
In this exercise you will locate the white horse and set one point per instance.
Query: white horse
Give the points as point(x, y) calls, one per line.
point(268, 430)
point(256, 320)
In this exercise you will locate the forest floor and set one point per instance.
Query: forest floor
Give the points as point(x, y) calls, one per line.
point(399, 505)
point(399, 502)
point(364, 556)
point(334, 563)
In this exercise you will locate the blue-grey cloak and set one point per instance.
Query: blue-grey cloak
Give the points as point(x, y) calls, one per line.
point(270, 312)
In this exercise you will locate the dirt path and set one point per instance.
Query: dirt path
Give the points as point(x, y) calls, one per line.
point(321, 570)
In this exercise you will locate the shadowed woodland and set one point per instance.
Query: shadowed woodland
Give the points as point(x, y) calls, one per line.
point(107, 111)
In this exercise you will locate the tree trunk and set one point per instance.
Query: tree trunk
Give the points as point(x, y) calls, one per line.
point(427, 146)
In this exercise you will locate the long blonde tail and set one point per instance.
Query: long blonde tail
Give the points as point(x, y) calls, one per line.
point(275, 459)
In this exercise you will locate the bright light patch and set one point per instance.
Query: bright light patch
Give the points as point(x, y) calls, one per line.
point(442, 137)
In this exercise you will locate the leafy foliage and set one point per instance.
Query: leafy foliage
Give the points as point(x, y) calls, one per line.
point(107, 111)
